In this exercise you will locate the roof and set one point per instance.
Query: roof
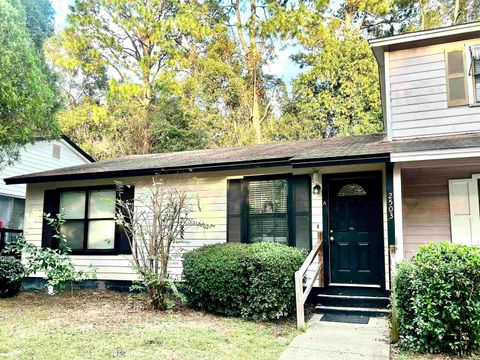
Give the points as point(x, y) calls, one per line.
point(352, 148)
point(437, 35)
point(334, 151)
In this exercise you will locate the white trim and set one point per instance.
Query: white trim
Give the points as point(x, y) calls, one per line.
point(398, 212)
point(468, 63)
point(388, 109)
point(428, 34)
point(475, 209)
point(435, 154)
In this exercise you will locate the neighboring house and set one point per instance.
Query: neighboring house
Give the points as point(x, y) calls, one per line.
point(369, 200)
point(42, 155)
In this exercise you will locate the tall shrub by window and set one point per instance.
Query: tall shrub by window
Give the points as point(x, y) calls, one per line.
point(155, 222)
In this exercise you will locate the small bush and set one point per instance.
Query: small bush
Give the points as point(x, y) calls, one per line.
point(11, 273)
point(253, 281)
point(438, 299)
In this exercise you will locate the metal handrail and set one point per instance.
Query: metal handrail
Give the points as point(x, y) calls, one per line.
point(301, 291)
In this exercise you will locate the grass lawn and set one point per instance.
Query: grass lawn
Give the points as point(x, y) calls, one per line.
point(109, 325)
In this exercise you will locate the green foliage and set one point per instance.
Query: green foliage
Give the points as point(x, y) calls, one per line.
point(27, 102)
point(215, 277)
point(253, 281)
point(122, 63)
point(438, 299)
point(55, 265)
point(11, 274)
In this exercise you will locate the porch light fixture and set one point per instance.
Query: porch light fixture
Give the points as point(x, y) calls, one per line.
point(316, 183)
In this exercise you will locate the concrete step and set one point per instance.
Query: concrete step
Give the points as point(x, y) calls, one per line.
point(363, 301)
point(348, 310)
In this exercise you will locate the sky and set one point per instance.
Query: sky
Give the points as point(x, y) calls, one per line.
point(282, 66)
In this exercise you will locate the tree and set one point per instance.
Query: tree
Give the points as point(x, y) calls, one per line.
point(136, 52)
point(339, 93)
point(265, 22)
point(27, 101)
point(155, 229)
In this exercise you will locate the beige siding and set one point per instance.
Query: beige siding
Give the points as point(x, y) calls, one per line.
point(426, 214)
point(418, 94)
point(209, 189)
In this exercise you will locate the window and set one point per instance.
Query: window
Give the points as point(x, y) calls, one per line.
point(12, 211)
point(476, 79)
point(270, 209)
point(89, 220)
point(267, 211)
point(352, 190)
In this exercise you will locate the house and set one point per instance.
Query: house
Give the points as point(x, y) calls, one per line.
point(360, 203)
point(41, 155)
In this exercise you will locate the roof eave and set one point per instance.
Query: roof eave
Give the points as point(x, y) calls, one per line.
point(295, 163)
point(439, 34)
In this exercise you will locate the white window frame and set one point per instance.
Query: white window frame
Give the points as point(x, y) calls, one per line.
point(470, 77)
point(474, 210)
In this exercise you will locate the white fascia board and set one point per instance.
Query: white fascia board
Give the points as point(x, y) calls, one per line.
point(426, 34)
point(435, 154)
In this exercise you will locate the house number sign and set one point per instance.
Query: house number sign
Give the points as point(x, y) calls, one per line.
point(390, 206)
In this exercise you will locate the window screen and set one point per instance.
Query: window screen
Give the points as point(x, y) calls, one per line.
point(267, 211)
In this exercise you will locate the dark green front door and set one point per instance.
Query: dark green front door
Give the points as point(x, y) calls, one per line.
point(354, 229)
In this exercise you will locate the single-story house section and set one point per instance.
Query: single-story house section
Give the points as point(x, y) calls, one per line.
point(342, 189)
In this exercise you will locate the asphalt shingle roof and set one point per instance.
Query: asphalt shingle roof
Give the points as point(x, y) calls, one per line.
point(289, 153)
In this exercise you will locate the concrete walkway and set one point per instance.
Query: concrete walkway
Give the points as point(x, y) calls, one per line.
point(339, 341)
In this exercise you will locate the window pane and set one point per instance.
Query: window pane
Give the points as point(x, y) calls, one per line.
point(268, 196)
point(476, 67)
point(352, 190)
point(101, 234)
point(267, 219)
point(102, 204)
point(73, 232)
point(73, 204)
point(477, 88)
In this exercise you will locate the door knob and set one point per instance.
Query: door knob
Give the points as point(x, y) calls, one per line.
point(332, 238)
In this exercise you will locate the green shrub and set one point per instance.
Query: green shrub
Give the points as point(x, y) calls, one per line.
point(438, 299)
point(253, 281)
point(11, 273)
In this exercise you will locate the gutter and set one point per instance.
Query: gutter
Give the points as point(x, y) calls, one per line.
point(360, 159)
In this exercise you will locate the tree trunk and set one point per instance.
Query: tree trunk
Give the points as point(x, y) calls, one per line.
point(252, 68)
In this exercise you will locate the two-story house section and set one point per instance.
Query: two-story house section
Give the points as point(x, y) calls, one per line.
point(430, 83)
point(41, 155)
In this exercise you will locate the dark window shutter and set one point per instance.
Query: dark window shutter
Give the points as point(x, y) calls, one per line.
point(123, 245)
point(456, 78)
point(51, 204)
point(234, 210)
point(302, 211)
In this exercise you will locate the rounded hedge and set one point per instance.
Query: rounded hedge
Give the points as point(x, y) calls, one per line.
point(11, 272)
point(437, 298)
point(253, 281)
